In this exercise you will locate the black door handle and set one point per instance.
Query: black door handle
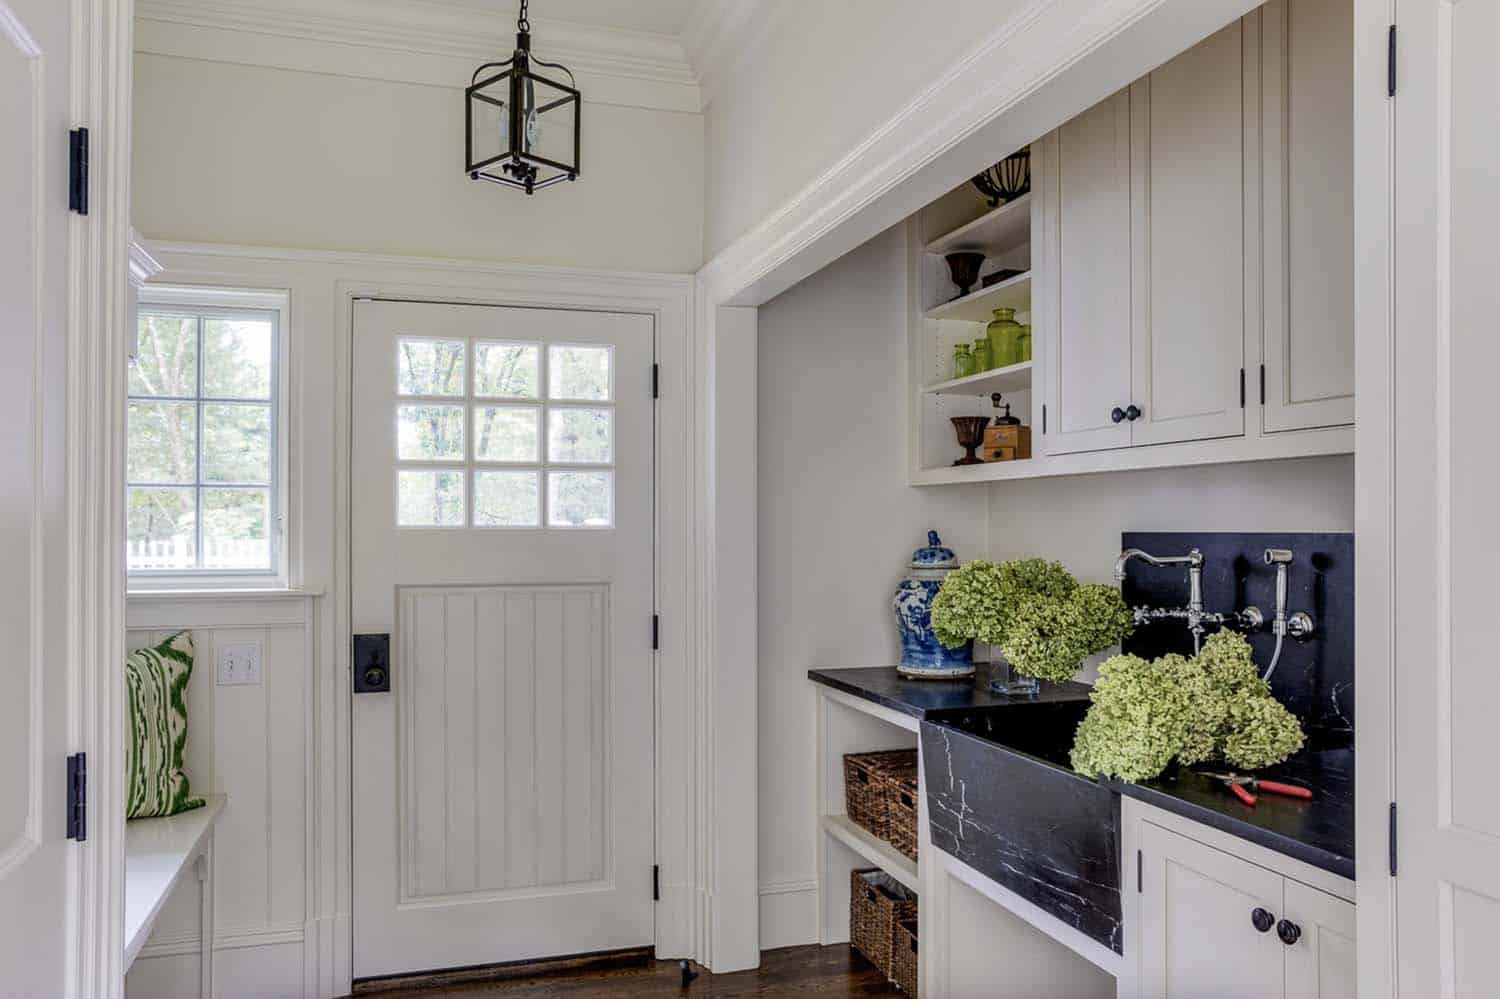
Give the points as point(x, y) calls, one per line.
point(1289, 932)
point(1261, 919)
point(371, 664)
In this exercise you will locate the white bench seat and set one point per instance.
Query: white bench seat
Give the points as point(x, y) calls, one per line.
point(157, 852)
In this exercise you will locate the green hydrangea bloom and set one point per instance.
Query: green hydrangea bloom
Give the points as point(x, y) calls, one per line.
point(1049, 637)
point(979, 598)
point(1212, 706)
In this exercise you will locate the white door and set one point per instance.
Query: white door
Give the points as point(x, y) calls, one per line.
point(1198, 937)
point(1084, 304)
point(1189, 177)
point(1447, 491)
point(34, 853)
point(502, 537)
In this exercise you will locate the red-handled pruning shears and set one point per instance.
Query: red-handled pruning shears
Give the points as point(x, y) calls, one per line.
point(1242, 786)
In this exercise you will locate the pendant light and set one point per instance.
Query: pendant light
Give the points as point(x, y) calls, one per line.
point(521, 128)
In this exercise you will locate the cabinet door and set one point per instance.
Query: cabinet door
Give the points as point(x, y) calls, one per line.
point(1197, 937)
point(1320, 965)
point(1190, 183)
point(1083, 310)
point(1307, 108)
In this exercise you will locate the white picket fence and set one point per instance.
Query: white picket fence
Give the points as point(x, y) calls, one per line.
point(177, 553)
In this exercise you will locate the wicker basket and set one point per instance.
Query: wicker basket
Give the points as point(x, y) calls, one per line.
point(877, 902)
point(901, 811)
point(865, 789)
point(904, 957)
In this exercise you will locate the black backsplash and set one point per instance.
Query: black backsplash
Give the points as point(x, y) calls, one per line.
point(1315, 677)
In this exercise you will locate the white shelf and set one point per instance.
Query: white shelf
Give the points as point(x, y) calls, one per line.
point(1013, 378)
point(157, 851)
point(977, 306)
point(877, 851)
point(992, 234)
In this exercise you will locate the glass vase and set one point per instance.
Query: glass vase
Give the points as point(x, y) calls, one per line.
point(1006, 681)
point(984, 356)
point(963, 361)
point(1004, 334)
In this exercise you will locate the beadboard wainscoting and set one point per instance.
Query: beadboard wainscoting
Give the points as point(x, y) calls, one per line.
point(251, 742)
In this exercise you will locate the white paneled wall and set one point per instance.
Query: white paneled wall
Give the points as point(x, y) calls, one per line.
point(251, 743)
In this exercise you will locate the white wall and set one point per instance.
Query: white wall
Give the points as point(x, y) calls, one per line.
point(837, 526)
point(230, 153)
point(251, 743)
point(814, 81)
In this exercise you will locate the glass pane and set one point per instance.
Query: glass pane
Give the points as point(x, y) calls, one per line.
point(506, 369)
point(236, 443)
point(580, 435)
point(507, 499)
point(429, 498)
point(163, 442)
point(429, 367)
point(507, 433)
point(166, 356)
point(236, 529)
point(237, 358)
point(580, 499)
point(579, 372)
point(430, 433)
point(159, 529)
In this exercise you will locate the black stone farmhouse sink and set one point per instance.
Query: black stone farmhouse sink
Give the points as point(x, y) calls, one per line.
point(1002, 798)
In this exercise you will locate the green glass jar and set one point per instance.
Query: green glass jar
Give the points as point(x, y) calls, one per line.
point(984, 356)
point(963, 361)
point(1004, 335)
point(1023, 344)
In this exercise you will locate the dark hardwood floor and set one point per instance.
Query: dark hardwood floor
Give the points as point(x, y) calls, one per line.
point(793, 971)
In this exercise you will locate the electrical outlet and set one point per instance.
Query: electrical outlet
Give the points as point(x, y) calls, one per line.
point(239, 663)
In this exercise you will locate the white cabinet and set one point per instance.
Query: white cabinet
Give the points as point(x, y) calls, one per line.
point(1307, 112)
point(1210, 915)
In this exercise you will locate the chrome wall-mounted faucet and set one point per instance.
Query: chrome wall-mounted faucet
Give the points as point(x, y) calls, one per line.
point(1299, 624)
point(1249, 619)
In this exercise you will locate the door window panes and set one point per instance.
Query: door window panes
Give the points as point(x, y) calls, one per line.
point(580, 499)
point(507, 433)
point(580, 436)
point(430, 433)
point(506, 370)
point(580, 372)
point(507, 499)
point(429, 498)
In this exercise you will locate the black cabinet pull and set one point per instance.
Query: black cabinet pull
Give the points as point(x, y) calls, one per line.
point(1116, 415)
point(1132, 413)
point(1261, 919)
point(1289, 932)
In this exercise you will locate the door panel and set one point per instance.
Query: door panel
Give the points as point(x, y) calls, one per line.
point(1189, 262)
point(1197, 938)
point(1447, 487)
point(1307, 112)
point(1086, 165)
point(502, 536)
point(1321, 964)
point(34, 855)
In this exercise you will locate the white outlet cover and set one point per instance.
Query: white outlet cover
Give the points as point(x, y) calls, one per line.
point(239, 664)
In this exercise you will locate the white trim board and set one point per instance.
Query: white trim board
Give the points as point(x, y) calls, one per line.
point(424, 44)
point(321, 287)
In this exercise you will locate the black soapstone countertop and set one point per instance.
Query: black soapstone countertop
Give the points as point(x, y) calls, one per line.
point(1319, 832)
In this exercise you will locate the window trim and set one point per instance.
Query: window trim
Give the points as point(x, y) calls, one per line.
point(206, 301)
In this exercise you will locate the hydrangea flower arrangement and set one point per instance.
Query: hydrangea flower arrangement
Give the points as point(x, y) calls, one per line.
point(1215, 705)
point(1042, 620)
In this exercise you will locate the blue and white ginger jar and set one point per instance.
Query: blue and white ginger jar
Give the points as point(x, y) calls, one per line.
point(922, 655)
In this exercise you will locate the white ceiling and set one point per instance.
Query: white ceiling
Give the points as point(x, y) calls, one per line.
point(659, 17)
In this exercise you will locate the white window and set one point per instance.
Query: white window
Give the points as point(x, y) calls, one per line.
point(481, 425)
point(205, 458)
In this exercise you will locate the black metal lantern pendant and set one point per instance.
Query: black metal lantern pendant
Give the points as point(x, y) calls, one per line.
point(521, 128)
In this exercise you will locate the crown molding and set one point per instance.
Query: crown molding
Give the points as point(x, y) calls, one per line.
point(410, 41)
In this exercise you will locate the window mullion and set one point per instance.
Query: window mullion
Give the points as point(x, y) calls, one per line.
point(198, 451)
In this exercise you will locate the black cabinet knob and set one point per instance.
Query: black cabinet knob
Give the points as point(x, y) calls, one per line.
point(1289, 933)
point(1132, 413)
point(1117, 414)
point(1261, 919)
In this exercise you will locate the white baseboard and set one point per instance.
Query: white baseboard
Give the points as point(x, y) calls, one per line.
point(788, 914)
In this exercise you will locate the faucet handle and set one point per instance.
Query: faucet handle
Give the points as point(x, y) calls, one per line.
point(1278, 556)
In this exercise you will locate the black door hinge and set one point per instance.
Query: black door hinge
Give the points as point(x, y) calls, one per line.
point(655, 632)
point(656, 882)
point(78, 171)
point(1392, 835)
point(1390, 63)
point(1044, 418)
point(78, 797)
point(1139, 864)
point(656, 381)
point(1262, 384)
point(1242, 388)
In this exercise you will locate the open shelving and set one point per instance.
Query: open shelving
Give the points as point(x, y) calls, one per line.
point(979, 306)
point(994, 233)
point(1013, 378)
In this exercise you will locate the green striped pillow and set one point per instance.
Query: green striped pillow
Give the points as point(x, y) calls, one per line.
point(156, 687)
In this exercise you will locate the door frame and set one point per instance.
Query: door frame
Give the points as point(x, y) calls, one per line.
point(680, 912)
